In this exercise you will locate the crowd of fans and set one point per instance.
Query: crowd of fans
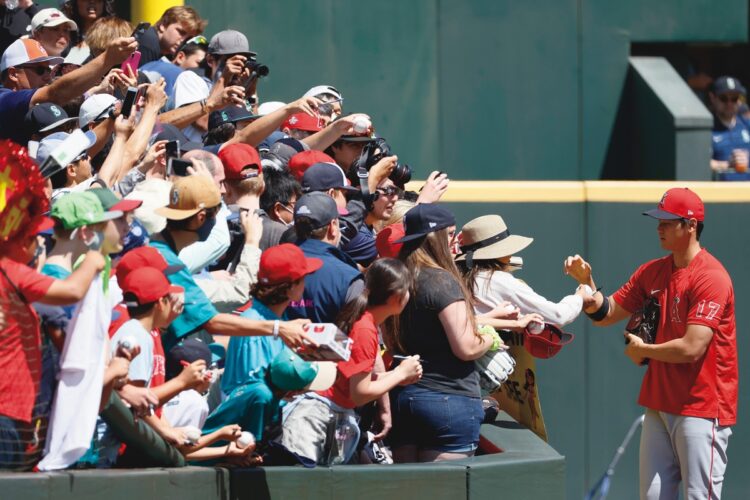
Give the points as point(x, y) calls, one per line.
point(168, 240)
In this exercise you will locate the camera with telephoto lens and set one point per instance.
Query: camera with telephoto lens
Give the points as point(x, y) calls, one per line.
point(254, 66)
point(372, 153)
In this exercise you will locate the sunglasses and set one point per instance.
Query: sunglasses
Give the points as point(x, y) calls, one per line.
point(727, 98)
point(38, 70)
point(388, 191)
point(327, 107)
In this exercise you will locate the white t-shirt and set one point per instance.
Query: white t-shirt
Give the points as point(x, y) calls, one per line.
point(82, 363)
point(493, 288)
point(142, 366)
point(188, 408)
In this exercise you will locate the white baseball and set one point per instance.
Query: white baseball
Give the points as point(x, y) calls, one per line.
point(587, 289)
point(361, 125)
point(128, 343)
point(510, 308)
point(193, 434)
point(535, 327)
point(245, 439)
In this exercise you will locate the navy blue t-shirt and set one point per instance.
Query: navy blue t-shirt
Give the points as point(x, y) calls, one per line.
point(724, 139)
point(14, 104)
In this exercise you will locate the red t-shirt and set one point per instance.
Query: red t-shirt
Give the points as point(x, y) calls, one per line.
point(20, 342)
point(364, 335)
point(700, 294)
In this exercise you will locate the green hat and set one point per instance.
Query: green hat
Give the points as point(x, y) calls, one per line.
point(289, 372)
point(75, 210)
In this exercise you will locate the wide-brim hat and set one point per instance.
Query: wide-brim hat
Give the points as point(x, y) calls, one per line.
point(488, 237)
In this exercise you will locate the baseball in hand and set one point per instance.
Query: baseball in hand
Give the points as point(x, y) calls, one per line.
point(245, 439)
point(361, 125)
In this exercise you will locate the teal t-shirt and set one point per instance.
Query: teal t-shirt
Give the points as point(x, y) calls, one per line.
point(198, 309)
point(246, 356)
point(253, 406)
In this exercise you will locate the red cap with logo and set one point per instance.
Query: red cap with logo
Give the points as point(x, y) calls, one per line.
point(285, 263)
point(146, 285)
point(303, 121)
point(304, 160)
point(143, 257)
point(237, 158)
point(385, 241)
point(678, 203)
point(547, 343)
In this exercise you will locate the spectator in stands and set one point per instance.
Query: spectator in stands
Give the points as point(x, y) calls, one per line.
point(47, 118)
point(731, 131)
point(16, 21)
point(20, 285)
point(308, 420)
point(281, 280)
point(333, 100)
point(175, 25)
point(338, 281)
point(280, 195)
point(85, 14)
point(105, 29)
point(25, 73)
point(301, 125)
point(255, 405)
point(486, 249)
point(439, 325)
point(194, 202)
point(190, 55)
point(223, 124)
point(52, 29)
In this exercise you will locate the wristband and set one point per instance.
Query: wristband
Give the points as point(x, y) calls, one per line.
point(600, 313)
point(276, 329)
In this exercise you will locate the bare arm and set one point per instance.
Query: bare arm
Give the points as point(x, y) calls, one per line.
point(580, 270)
point(465, 343)
point(190, 377)
point(290, 332)
point(73, 288)
point(74, 84)
point(113, 164)
point(219, 98)
point(363, 388)
point(138, 141)
point(324, 138)
point(261, 128)
point(687, 349)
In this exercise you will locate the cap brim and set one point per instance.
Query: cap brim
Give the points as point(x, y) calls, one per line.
point(350, 189)
point(176, 214)
point(356, 138)
point(661, 214)
point(58, 123)
point(229, 52)
point(312, 265)
point(176, 289)
point(325, 378)
point(40, 224)
point(342, 210)
point(111, 215)
point(127, 205)
point(410, 237)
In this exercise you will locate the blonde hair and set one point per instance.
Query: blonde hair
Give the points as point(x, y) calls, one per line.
point(104, 30)
point(397, 214)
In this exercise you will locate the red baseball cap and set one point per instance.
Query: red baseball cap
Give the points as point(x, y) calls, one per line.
point(678, 203)
point(385, 241)
point(303, 121)
point(304, 160)
point(236, 158)
point(547, 343)
point(143, 257)
point(146, 285)
point(285, 263)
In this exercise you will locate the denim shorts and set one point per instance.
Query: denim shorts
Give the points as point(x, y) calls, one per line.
point(434, 420)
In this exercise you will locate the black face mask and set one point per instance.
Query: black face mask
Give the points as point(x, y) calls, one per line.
point(205, 230)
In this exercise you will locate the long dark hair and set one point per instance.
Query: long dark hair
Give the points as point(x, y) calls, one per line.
point(70, 9)
point(432, 251)
point(382, 279)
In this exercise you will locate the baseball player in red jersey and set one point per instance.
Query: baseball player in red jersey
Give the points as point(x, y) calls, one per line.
point(690, 387)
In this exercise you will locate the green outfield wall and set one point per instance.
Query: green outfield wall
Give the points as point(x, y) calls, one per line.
point(488, 89)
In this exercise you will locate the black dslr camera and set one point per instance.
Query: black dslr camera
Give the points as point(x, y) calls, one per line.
point(372, 153)
point(259, 69)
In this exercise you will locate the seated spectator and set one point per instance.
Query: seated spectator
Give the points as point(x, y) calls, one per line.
point(731, 131)
point(175, 25)
point(310, 422)
point(26, 75)
point(338, 281)
point(188, 408)
point(281, 280)
point(51, 28)
point(255, 405)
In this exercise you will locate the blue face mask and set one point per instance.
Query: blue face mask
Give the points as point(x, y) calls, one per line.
point(205, 230)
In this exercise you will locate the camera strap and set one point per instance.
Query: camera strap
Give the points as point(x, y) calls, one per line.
point(367, 197)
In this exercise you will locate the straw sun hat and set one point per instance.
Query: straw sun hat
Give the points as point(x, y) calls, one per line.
point(488, 237)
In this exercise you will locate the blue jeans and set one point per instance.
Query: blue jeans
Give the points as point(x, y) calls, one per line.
point(434, 420)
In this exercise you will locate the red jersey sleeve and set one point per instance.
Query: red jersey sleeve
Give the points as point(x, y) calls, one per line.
point(364, 349)
point(32, 284)
point(631, 295)
point(710, 294)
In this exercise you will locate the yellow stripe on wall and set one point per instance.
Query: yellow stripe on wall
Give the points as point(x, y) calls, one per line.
point(150, 10)
point(581, 191)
